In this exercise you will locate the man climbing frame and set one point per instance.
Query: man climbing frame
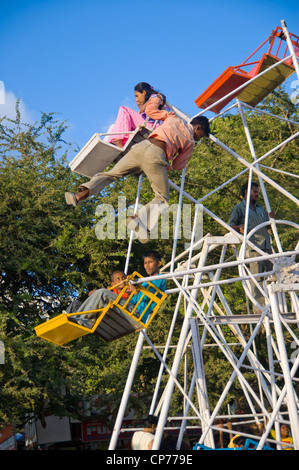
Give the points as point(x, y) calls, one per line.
point(170, 146)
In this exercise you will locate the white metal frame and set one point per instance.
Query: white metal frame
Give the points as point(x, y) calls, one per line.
point(198, 294)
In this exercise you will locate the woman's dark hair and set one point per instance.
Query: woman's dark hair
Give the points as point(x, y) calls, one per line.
point(151, 419)
point(143, 86)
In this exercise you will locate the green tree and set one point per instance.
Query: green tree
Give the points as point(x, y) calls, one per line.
point(50, 254)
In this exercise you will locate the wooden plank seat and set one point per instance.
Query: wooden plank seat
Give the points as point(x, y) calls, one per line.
point(112, 322)
point(254, 92)
point(258, 89)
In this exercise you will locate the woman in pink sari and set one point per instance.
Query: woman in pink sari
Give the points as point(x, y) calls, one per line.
point(151, 104)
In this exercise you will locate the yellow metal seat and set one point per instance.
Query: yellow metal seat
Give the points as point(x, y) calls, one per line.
point(115, 320)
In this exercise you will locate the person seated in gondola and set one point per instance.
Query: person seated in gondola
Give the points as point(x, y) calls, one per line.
point(117, 283)
point(101, 297)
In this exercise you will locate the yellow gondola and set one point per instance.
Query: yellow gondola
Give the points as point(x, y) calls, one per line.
point(112, 322)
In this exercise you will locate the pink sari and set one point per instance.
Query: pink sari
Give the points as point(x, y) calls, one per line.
point(127, 120)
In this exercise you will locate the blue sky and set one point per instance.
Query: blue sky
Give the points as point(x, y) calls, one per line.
point(82, 59)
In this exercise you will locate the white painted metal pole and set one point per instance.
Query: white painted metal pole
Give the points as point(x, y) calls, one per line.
point(126, 393)
point(184, 423)
point(291, 401)
point(290, 45)
point(262, 111)
point(258, 172)
point(158, 383)
point(277, 407)
point(236, 365)
point(201, 384)
point(228, 264)
point(261, 182)
point(132, 232)
point(178, 220)
point(176, 363)
point(220, 221)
